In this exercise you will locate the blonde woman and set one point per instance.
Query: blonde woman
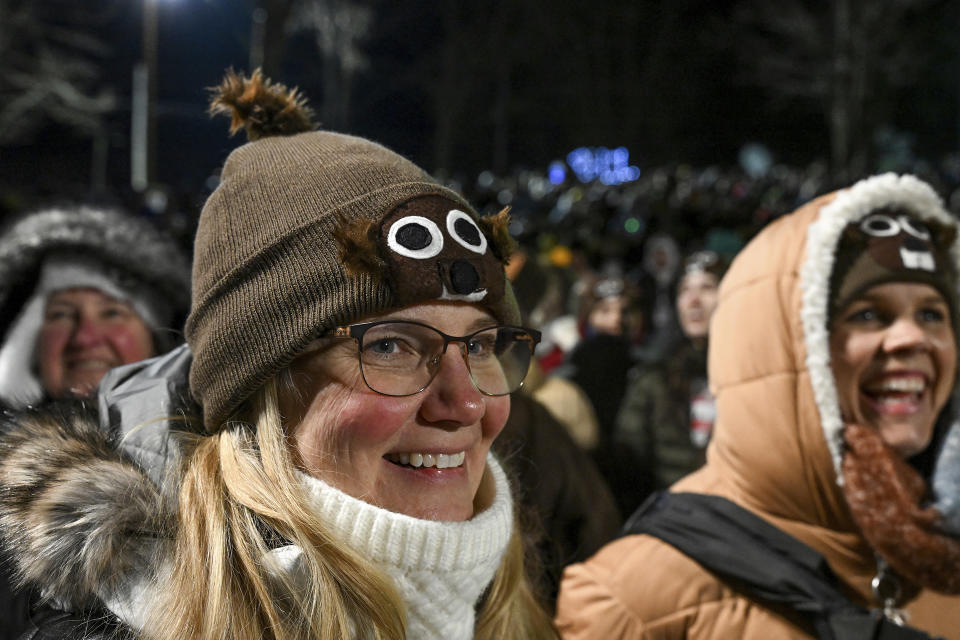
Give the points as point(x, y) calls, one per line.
point(352, 342)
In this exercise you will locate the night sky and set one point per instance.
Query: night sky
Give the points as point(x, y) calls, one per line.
point(700, 111)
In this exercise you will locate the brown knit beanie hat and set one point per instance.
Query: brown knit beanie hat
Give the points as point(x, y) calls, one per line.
point(310, 230)
point(892, 245)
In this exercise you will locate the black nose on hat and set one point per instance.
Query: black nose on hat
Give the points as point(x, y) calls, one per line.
point(464, 277)
point(915, 244)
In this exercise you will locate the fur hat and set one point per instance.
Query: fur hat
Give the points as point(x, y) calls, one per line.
point(89, 247)
point(310, 230)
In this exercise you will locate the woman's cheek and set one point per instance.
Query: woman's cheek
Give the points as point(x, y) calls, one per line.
point(495, 416)
point(132, 342)
point(361, 418)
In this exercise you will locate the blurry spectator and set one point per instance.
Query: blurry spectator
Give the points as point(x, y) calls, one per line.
point(569, 510)
point(539, 292)
point(600, 361)
point(666, 418)
point(82, 290)
point(562, 327)
point(661, 258)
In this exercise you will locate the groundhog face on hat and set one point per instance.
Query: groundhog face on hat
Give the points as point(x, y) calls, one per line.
point(429, 248)
point(890, 245)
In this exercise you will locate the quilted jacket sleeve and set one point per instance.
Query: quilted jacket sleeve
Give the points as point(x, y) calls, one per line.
point(638, 588)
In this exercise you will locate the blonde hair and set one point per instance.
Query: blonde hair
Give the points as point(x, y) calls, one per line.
point(240, 486)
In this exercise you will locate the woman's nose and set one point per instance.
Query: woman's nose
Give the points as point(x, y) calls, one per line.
point(904, 333)
point(452, 396)
point(86, 333)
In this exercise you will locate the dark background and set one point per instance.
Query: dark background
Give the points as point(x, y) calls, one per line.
point(462, 87)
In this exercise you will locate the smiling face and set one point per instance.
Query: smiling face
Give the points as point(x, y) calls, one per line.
point(894, 357)
point(85, 333)
point(696, 301)
point(369, 445)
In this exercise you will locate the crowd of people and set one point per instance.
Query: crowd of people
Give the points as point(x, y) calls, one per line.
point(383, 405)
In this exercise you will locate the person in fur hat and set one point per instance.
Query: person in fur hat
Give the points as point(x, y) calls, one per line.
point(315, 462)
point(84, 289)
point(834, 455)
point(73, 304)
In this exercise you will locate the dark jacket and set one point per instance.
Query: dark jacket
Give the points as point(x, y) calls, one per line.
point(14, 605)
point(52, 624)
point(566, 508)
point(654, 443)
point(599, 365)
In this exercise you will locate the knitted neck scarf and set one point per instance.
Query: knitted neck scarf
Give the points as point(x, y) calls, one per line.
point(440, 568)
point(885, 495)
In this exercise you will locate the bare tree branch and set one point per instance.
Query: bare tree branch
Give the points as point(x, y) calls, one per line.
point(52, 69)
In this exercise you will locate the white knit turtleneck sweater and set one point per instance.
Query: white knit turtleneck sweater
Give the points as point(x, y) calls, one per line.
point(440, 568)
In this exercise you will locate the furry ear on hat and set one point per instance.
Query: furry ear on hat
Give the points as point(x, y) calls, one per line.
point(497, 227)
point(262, 107)
point(357, 247)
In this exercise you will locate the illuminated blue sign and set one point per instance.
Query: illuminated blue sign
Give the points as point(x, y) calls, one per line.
point(557, 172)
point(609, 166)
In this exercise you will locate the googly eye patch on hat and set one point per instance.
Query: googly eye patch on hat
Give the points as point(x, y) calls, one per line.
point(433, 250)
point(899, 241)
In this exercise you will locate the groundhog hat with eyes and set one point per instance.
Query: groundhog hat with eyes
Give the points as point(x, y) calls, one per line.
point(310, 230)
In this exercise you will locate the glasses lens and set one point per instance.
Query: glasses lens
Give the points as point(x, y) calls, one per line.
point(499, 359)
point(399, 359)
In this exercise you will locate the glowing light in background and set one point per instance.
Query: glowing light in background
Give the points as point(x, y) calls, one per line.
point(609, 166)
point(557, 172)
point(755, 159)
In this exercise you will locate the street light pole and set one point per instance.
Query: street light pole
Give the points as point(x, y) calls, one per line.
point(143, 133)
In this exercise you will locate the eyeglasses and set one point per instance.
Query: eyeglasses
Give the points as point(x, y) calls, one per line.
point(402, 357)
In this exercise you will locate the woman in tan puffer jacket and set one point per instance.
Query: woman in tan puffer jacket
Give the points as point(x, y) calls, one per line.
point(790, 443)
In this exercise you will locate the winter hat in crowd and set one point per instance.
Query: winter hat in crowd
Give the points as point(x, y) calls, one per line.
point(892, 245)
point(706, 262)
point(82, 247)
point(310, 230)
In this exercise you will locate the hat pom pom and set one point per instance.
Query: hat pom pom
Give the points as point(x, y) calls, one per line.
point(260, 106)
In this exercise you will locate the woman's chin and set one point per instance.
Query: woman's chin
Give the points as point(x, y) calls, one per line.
point(906, 438)
point(444, 510)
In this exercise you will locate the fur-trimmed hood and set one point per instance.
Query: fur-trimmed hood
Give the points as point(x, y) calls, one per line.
point(777, 446)
point(88, 499)
point(120, 241)
point(80, 518)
